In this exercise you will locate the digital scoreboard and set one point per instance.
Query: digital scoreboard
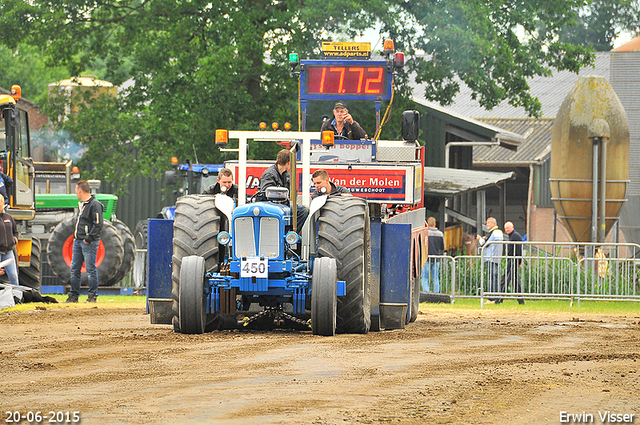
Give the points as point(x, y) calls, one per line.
point(345, 79)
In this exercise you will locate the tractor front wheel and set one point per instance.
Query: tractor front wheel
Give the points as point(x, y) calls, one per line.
point(193, 303)
point(324, 299)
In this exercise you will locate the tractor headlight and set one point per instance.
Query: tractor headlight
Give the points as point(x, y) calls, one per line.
point(224, 238)
point(292, 238)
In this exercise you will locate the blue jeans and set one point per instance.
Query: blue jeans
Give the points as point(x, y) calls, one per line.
point(431, 271)
point(84, 253)
point(11, 269)
point(492, 274)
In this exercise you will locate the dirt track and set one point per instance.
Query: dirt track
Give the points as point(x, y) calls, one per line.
point(451, 366)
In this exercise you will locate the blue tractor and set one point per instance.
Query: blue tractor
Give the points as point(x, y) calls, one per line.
point(247, 266)
point(255, 265)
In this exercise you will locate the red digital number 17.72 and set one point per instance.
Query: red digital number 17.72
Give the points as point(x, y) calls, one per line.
point(340, 79)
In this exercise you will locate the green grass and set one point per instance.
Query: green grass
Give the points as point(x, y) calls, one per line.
point(117, 299)
point(104, 301)
point(619, 308)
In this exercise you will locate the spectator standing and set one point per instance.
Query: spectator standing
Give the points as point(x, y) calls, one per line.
point(514, 262)
point(86, 242)
point(492, 254)
point(432, 267)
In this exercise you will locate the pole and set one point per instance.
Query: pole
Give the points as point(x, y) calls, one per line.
point(594, 199)
point(603, 190)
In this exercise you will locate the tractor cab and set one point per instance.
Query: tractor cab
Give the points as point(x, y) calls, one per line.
point(15, 155)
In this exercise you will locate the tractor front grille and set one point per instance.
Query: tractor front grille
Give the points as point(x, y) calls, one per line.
point(269, 240)
point(269, 237)
point(244, 243)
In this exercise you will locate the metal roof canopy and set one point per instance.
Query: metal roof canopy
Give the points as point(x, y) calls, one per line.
point(448, 182)
point(469, 129)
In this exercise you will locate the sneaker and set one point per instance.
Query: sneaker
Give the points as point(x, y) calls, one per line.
point(72, 299)
point(92, 298)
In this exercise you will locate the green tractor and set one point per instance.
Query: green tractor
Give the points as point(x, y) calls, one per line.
point(55, 221)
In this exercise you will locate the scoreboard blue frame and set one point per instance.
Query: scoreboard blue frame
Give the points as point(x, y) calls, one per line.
point(365, 80)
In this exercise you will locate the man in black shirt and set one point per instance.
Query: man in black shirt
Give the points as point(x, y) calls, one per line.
point(514, 261)
point(86, 242)
point(343, 124)
point(224, 185)
point(278, 175)
point(324, 186)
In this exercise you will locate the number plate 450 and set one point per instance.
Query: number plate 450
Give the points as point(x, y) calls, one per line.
point(254, 267)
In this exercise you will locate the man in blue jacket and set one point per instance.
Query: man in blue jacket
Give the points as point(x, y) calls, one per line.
point(86, 242)
point(436, 247)
point(492, 255)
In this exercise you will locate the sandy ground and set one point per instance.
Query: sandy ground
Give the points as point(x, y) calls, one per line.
point(450, 366)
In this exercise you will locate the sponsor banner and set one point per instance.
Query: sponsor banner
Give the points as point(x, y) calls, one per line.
point(342, 151)
point(382, 183)
point(346, 50)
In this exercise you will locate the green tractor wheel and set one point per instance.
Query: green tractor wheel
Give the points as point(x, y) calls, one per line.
point(60, 252)
point(128, 258)
point(140, 263)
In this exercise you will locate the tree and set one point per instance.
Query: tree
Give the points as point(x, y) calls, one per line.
point(601, 22)
point(198, 65)
point(26, 66)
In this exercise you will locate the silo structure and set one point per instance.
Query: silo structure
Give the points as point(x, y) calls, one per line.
point(77, 87)
point(589, 159)
point(625, 80)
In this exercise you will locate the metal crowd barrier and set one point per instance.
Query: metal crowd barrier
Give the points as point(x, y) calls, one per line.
point(548, 270)
point(565, 270)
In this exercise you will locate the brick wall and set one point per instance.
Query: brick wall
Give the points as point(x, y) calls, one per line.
point(542, 226)
point(36, 119)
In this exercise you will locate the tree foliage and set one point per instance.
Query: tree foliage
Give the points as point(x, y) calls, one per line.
point(601, 22)
point(198, 65)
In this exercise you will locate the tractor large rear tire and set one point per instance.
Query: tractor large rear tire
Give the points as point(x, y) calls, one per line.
point(195, 231)
point(128, 258)
point(324, 299)
point(140, 264)
point(60, 251)
point(344, 234)
point(32, 276)
point(193, 302)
